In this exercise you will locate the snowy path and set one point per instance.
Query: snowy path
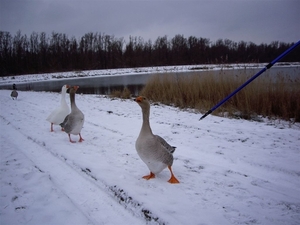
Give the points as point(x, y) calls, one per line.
point(86, 197)
point(231, 171)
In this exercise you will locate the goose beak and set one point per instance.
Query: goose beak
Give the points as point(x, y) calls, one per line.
point(139, 99)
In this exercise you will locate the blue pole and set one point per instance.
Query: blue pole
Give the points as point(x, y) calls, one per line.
point(251, 79)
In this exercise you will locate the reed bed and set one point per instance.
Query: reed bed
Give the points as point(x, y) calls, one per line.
point(264, 96)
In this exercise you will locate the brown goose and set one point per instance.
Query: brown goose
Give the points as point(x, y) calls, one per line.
point(73, 122)
point(59, 114)
point(155, 152)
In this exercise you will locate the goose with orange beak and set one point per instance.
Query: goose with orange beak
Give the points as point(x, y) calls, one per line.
point(154, 151)
point(73, 122)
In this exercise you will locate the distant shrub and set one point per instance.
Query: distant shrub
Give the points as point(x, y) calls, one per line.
point(125, 93)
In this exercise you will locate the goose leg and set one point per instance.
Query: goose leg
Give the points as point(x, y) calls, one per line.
point(150, 176)
point(80, 139)
point(71, 139)
point(173, 179)
point(51, 129)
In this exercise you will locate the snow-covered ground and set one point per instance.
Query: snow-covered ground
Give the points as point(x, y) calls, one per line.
point(231, 171)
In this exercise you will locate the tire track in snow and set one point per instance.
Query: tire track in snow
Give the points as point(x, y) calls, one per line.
point(21, 185)
point(113, 192)
point(85, 195)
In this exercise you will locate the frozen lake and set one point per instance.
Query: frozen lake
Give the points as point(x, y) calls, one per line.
point(134, 82)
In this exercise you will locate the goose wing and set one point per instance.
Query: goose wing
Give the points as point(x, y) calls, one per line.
point(165, 144)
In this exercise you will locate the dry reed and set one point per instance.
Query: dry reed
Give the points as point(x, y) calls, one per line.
point(125, 93)
point(264, 96)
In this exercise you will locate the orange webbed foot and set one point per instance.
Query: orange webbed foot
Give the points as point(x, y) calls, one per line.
point(173, 179)
point(150, 176)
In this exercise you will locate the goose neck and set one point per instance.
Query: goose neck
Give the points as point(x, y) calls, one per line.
point(146, 124)
point(63, 97)
point(72, 100)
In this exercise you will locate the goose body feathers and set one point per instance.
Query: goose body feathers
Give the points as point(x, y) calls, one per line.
point(14, 94)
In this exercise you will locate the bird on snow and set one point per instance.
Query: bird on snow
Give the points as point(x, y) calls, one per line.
point(58, 115)
point(154, 151)
point(14, 94)
point(73, 122)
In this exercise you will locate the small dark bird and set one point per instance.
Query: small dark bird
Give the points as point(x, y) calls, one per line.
point(14, 93)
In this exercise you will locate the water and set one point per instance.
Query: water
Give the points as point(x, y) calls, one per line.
point(88, 85)
point(135, 82)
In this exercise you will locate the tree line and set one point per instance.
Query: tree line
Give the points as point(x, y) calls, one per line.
point(41, 53)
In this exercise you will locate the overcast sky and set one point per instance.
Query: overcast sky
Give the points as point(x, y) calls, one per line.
point(258, 21)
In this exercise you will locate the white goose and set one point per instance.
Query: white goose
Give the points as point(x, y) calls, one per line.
point(155, 152)
point(58, 115)
point(73, 122)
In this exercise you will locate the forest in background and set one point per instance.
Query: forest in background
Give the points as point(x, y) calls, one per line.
point(42, 53)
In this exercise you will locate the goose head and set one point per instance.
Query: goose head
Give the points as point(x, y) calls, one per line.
point(143, 102)
point(65, 88)
point(73, 89)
